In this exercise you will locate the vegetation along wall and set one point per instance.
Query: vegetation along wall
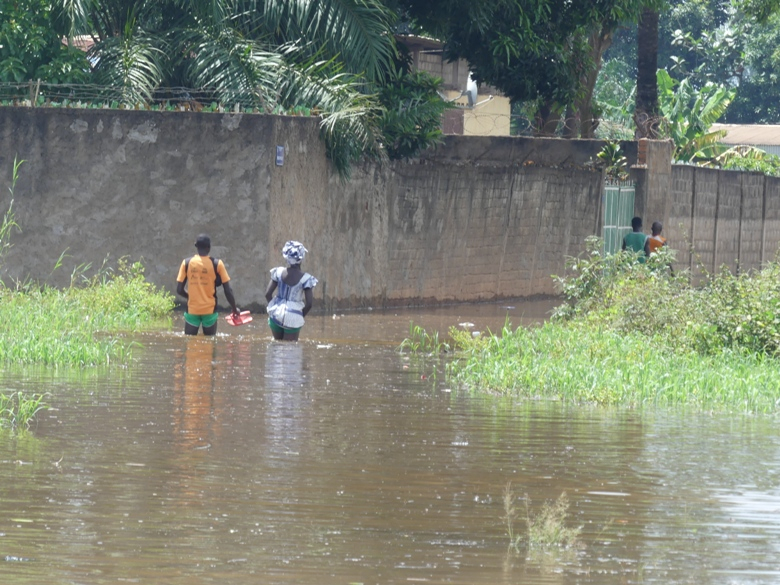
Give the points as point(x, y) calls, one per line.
point(479, 218)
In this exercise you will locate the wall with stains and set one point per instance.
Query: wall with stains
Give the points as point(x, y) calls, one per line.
point(479, 218)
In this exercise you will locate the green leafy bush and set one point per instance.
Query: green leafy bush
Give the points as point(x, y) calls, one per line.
point(728, 311)
point(411, 114)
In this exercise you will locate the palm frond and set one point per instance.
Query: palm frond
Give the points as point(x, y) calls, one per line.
point(357, 32)
point(76, 13)
point(131, 63)
point(242, 70)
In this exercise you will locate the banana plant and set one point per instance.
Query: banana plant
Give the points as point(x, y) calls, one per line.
point(689, 114)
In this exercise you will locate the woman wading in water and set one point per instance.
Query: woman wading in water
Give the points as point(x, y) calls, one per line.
point(294, 297)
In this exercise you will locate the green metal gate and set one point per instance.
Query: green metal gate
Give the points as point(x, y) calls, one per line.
point(618, 211)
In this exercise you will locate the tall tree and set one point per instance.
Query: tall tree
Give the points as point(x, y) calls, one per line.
point(31, 45)
point(647, 112)
point(540, 51)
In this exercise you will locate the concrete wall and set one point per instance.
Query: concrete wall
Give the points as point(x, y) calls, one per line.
point(479, 218)
point(720, 218)
point(476, 219)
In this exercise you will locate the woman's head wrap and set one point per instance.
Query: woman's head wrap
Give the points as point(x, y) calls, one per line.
point(293, 252)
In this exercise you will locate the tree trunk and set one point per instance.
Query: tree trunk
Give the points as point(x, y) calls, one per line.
point(647, 113)
point(598, 41)
point(581, 119)
point(547, 118)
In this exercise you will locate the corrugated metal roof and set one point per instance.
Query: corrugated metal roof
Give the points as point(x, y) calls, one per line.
point(750, 134)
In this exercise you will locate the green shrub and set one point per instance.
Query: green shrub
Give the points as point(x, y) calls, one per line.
point(639, 335)
point(740, 312)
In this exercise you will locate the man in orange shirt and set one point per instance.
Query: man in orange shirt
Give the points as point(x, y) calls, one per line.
point(202, 275)
point(656, 240)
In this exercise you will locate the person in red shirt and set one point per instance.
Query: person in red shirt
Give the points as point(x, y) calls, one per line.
point(202, 275)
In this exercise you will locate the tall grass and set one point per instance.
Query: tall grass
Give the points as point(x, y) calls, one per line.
point(77, 325)
point(8, 223)
point(80, 325)
point(582, 364)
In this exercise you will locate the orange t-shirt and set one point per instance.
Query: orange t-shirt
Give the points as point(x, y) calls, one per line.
point(201, 280)
point(655, 242)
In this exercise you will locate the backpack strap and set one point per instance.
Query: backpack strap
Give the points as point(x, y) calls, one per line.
point(217, 277)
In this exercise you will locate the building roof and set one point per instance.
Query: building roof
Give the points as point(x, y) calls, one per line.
point(418, 42)
point(750, 134)
point(83, 42)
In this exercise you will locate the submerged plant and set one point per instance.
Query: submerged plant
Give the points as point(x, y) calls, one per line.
point(422, 342)
point(545, 529)
point(17, 410)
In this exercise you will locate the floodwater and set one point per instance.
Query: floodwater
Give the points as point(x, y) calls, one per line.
point(337, 460)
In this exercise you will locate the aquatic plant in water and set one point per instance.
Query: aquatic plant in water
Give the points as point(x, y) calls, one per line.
point(638, 335)
point(420, 341)
point(18, 409)
point(545, 528)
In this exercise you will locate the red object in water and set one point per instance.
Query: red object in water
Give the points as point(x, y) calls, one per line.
point(242, 319)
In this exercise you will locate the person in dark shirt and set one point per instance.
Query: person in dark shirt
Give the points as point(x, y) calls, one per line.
point(636, 241)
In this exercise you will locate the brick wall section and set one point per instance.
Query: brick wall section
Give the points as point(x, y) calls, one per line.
point(771, 226)
point(484, 232)
point(705, 208)
point(731, 218)
point(678, 228)
point(727, 219)
point(751, 220)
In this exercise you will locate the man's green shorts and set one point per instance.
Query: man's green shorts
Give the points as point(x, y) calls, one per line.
point(198, 320)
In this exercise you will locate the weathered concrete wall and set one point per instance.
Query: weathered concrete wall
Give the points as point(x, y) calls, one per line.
point(479, 218)
point(113, 183)
point(722, 218)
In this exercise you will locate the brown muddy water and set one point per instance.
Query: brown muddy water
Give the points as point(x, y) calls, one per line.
point(337, 460)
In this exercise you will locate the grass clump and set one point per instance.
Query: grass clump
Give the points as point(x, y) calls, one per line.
point(18, 409)
point(422, 342)
point(637, 335)
point(79, 325)
point(544, 529)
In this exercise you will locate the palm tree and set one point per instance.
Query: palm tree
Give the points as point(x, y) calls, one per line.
point(265, 54)
point(646, 112)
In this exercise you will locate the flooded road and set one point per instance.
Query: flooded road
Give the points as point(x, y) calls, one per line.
point(337, 460)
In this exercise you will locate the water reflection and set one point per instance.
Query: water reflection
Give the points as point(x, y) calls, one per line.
point(284, 366)
point(197, 403)
point(243, 460)
point(285, 409)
